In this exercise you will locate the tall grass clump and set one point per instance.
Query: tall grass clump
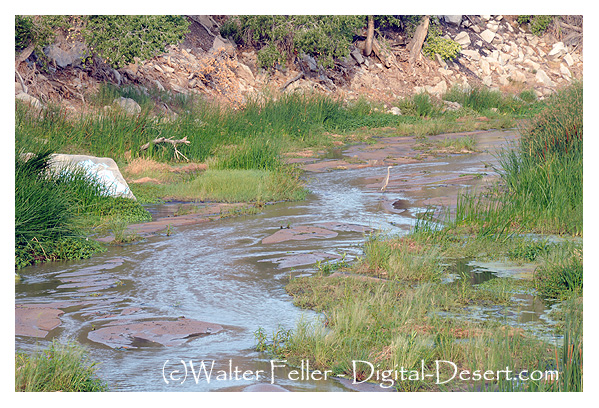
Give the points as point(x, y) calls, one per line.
point(560, 275)
point(482, 99)
point(541, 177)
point(544, 175)
point(400, 258)
point(54, 207)
point(60, 367)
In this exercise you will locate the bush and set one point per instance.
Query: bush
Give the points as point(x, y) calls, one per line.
point(120, 38)
point(280, 37)
point(446, 48)
point(37, 30)
point(538, 24)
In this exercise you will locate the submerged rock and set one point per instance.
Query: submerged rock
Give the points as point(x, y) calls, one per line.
point(299, 233)
point(291, 261)
point(157, 332)
point(36, 320)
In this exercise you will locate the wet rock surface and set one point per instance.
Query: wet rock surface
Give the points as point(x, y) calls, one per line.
point(36, 320)
point(299, 233)
point(157, 332)
point(291, 261)
point(199, 214)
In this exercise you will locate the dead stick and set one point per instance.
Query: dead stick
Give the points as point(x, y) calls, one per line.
point(292, 80)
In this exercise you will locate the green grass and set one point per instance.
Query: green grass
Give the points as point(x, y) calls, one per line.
point(397, 321)
point(393, 325)
point(541, 178)
point(54, 210)
point(238, 185)
point(60, 367)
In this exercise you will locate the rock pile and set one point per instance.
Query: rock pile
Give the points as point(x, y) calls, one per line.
point(496, 52)
point(501, 53)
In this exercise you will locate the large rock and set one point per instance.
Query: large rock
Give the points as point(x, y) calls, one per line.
point(102, 169)
point(544, 79)
point(472, 54)
point(463, 39)
point(36, 320)
point(558, 50)
point(31, 100)
point(454, 19)
point(147, 333)
point(221, 43)
point(487, 35)
point(128, 105)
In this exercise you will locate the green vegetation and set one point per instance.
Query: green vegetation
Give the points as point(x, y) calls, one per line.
point(53, 209)
point(242, 149)
point(36, 30)
point(121, 38)
point(393, 308)
point(280, 37)
point(118, 39)
point(538, 23)
point(447, 49)
point(59, 367)
point(541, 187)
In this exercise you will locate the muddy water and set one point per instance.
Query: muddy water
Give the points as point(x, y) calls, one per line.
point(222, 273)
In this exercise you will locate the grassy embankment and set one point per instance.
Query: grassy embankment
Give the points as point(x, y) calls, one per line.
point(241, 150)
point(394, 311)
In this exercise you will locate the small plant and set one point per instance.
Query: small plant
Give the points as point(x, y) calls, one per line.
point(277, 343)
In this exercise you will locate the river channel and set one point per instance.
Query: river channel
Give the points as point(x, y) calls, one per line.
point(222, 272)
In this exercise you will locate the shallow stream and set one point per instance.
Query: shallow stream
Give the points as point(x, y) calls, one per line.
point(221, 272)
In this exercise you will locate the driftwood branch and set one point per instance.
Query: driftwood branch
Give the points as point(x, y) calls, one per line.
point(571, 27)
point(292, 80)
point(170, 141)
point(415, 45)
point(369, 37)
point(24, 54)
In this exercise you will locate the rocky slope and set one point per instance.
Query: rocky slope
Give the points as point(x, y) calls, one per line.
point(496, 52)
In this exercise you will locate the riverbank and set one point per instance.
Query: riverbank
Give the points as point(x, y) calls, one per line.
point(405, 304)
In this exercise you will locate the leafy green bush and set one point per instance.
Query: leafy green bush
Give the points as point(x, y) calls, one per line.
point(120, 38)
point(280, 37)
point(446, 48)
point(538, 23)
point(36, 30)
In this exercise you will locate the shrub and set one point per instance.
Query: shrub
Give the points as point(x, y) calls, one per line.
point(446, 48)
point(538, 24)
point(120, 38)
point(37, 30)
point(280, 37)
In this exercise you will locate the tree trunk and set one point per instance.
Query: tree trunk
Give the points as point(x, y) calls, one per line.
point(415, 45)
point(369, 36)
